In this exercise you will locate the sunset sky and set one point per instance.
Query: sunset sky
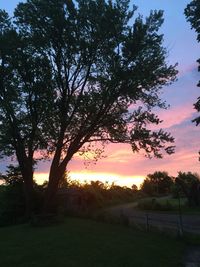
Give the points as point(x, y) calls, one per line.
point(120, 165)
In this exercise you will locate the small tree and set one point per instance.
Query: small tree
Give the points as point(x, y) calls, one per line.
point(13, 176)
point(157, 183)
point(189, 185)
point(12, 198)
point(134, 188)
point(64, 181)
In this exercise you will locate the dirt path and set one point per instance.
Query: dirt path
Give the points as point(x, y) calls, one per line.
point(164, 220)
point(192, 257)
point(185, 222)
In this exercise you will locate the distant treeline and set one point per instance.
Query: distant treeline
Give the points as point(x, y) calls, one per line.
point(72, 195)
point(87, 197)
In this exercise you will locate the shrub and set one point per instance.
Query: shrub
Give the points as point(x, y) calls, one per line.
point(153, 204)
point(12, 207)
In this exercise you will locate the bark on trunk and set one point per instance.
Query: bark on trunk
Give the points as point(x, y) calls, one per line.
point(27, 175)
point(57, 171)
point(50, 194)
point(29, 197)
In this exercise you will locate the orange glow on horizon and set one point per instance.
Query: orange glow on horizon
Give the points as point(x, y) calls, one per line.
point(86, 176)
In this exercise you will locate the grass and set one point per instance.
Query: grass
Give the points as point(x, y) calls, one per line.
point(86, 243)
point(170, 204)
point(174, 201)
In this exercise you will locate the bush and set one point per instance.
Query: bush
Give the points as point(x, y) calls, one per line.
point(154, 205)
point(12, 207)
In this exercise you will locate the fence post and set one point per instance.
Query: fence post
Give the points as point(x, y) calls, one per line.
point(147, 222)
point(124, 218)
point(180, 216)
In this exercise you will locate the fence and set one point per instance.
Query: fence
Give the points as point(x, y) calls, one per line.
point(176, 223)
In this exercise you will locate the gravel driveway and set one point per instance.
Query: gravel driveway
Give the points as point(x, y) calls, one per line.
point(188, 223)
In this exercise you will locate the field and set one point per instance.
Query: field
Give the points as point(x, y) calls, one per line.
point(167, 204)
point(86, 243)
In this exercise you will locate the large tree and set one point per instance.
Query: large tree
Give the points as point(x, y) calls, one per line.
point(107, 71)
point(23, 100)
point(192, 12)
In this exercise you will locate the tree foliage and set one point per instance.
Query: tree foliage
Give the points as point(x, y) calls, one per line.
point(192, 12)
point(24, 102)
point(13, 176)
point(188, 183)
point(12, 200)
point(157, 183)
point(12, 197)
point(79, 81)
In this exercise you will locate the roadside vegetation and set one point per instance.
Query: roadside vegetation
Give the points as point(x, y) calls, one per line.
point(171, 204)
point(174, 194)
point(72, 198)
point(159, 192)
point(160, 204)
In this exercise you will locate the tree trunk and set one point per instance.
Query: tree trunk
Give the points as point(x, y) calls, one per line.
point(57, 171)
point(29, 196)
point(50, 194)
point(27, 175)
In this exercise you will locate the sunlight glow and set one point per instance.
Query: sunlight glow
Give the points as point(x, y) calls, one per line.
point(86, 176)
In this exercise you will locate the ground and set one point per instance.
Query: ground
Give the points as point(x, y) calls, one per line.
point(170, 220)
point(187, 224)
point(192, 256)
point(86, 243)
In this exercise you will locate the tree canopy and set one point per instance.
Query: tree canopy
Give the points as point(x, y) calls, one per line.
point(157, 183)
point(189, 184)
point(25, 79)
point(81, 72)
point(13, 176)
point(192, 13)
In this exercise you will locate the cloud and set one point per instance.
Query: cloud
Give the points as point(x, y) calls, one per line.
point(120, 158)
point(176, 115)
point(189, 70)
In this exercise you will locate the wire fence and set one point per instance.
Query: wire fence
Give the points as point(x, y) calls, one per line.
point(177, 223)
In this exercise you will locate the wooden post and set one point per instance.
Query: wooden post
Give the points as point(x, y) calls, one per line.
point(180, 216)
point(147, 222)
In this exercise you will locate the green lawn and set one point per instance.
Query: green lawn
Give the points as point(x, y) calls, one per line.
point(173, 203)
point(85, 243)
point(170, 204)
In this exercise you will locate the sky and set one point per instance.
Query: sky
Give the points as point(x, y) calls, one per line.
point(120, 165)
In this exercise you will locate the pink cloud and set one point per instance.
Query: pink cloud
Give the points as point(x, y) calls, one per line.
point(121, 160)
point(186, 70)
point(176, 115)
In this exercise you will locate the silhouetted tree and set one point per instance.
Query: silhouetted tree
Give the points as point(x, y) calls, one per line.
point(64, 181)
point(24, 100)
point(13, 176)
point(157, 183)
point(134, 187)
point(105, 80)
point(192, 12)
point(189, 184)
point(12, 197)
